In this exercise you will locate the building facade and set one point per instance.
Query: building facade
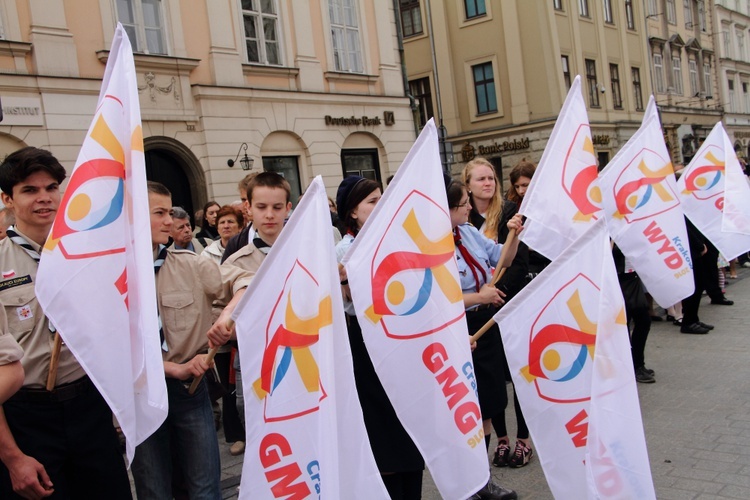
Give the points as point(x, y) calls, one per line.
point(312, 88)
point(504, 69)
point(683, 72)
point(732, 29)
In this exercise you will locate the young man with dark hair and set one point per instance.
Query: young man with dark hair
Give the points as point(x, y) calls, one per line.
point(62, 441)
point(186, 286)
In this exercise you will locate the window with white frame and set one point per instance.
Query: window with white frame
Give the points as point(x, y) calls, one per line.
point(347, 54)
point(688, 7)
point(652, 8)
point(693, 74)
point(671, 12)
point(607, 4)
point(484, 88)
point(677, 74)
point(143, 21)
point(707, 79)
point(614, 77)
point(745, 98)
point(566, 71)
point(475, 8)
point(727, 43)
point(583, 8)
point(658, 73)
point(629, 14)
point(557, 4)
point(591, 82)
point(740, 45)
point(261, 23)
point(732, 101)
point(637, 91)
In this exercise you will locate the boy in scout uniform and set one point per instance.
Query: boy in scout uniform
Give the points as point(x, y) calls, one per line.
point(185, 446)
point(60, 442)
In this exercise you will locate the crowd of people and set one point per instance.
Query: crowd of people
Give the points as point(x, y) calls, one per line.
point(63, 441)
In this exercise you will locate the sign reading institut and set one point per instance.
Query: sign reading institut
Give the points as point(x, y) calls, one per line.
point(25, 111)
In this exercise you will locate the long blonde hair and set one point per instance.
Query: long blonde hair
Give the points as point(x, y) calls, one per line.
point(495, 208)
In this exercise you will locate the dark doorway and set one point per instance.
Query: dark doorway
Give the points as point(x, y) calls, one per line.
point(603, 157)
point(166, 167)
point(363, 162)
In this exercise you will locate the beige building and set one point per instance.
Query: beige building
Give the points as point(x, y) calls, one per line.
point(311, 87)
point(504, 69)
point(732, 26)
point(683, 71)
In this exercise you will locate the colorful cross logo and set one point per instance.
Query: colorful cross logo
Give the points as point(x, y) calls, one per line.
point(580, 174)
point(414, 272)
point(703, 182)
point(288, 364)
point(644, 192)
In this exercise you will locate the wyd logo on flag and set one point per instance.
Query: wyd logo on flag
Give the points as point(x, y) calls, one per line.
point(644, 192)
point(289, 381)
point(414, 289)
point(579, 176)
point(85, 223)
point(561, 347)
point(704, 182)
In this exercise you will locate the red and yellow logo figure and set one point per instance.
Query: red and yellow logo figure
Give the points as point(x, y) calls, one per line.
point(579, 176)
point(644, 192)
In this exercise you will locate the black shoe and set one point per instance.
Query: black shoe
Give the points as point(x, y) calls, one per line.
point(722, 302)
point(656, 318)
point(649, 371)
point(643, 377)
point(706, 326)
point(693, 328)
point(492, 491)
point(677, 322)
point(670, 317)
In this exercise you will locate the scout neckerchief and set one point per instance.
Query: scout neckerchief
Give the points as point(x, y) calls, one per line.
point(260, 244)
point(157, 265)
point(475, 267)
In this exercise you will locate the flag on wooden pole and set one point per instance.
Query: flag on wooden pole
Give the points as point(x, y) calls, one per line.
point(96, 274)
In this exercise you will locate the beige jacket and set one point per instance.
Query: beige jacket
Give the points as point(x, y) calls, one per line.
point(248, 258)
point(186, 286)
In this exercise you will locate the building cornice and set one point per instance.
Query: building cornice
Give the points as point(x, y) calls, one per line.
point(157, 62)
point(14, 49)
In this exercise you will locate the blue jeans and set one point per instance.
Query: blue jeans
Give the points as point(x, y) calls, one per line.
point(186, 443)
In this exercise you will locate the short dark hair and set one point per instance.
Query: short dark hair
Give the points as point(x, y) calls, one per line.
point(455, 191)
point(359, 192)
point(19, 165)
point(271, 180)
point(230, 210)
point(157, 188)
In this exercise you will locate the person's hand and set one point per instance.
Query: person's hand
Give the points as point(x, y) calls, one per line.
point(488, 294)
point(516, 222)
point(704, 251)
point(29, 478)
point(219, 333)
point(473, 345)
point(193, 368)
point(342, 273)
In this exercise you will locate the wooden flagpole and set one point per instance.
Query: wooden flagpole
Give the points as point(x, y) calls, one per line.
point(499, 271)
point(54, 361)
point(209, 359)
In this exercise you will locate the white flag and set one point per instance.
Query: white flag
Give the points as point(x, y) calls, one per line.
point(568, 351)
point(96, 275)
point(306, 437)
point(715, 195)
point(563, 198)
point(642, 209)
point(404, 283)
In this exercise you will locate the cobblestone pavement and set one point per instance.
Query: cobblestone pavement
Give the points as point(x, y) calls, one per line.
point(696, 416)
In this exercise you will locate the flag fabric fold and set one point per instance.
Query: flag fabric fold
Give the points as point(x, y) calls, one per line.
point(715, 194)
point(96, 278)
point(563, 198)
point(643, 213)
point(305, 431)
point(566, 342)
point(404, 282)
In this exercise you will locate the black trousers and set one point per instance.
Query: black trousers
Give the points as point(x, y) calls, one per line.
point(233, 428)
point(74, 440)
